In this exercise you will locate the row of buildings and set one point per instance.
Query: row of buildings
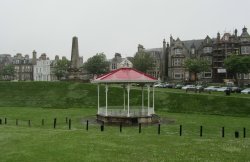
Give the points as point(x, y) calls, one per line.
point(169, 59)
point(26, 68)
point(42, 68)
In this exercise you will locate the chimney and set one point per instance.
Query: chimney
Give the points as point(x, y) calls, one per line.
point(218, 37)
point(235, 32)
point(56, 58)
point(34, 57)
point(140, 48)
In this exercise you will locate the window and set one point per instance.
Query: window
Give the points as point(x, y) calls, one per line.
point(177, 75)
point(178, 51)
point(192, 51)
point(207, 49)
point(154, 62)
point(245, 50)
point(114, 66)
point(226, 38)
point(177, 62)
point(207, 58)
point(244, 39)
point(208, 74)
point(246, 76)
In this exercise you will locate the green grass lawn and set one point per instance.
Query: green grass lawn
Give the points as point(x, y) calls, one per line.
point(44, 143)
point(35, 101)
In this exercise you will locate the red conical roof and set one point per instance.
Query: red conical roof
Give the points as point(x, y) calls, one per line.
point(125, 75)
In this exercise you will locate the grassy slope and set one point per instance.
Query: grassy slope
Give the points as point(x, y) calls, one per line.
point(66, 95)
point(43, 143)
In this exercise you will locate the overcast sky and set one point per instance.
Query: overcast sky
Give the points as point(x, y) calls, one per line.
point(110, 26)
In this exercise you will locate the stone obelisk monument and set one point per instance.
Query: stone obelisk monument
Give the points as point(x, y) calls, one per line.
point(75, 54)
point(75, 73)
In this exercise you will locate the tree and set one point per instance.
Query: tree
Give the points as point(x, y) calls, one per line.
point(8, 71)
point(236, 64)
point(143, 61)
point(97, 64)
point(61, 68)
point(196, 66)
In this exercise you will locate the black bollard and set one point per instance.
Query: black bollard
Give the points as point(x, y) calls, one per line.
point(66, 120)
point(54, 123)
point(139, 127)
point(180, 130)
point(223, 132)
point(5, 120)
point(236, 133)
point(102, 128)
point(159, 128)
point(200, 131)
point(29, 123)
point(120, 127)
point(42, 122)
point(69, 124)
point(16, 121)
point(0, 121)
point(87, 125)
point(244, 132)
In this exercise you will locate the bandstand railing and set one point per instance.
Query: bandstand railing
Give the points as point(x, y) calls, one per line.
point(119, 111)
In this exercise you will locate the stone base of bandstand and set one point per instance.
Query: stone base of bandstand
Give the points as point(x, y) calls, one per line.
point(152, 119)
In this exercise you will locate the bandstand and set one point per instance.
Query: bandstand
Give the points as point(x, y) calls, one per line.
point(127, 113)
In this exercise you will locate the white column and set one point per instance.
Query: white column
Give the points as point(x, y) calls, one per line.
point(153, 99)
point(106, 88)
point(98, 98)
point(128, 89)
point(148, 98)
point(124, 97)
point(142, 98)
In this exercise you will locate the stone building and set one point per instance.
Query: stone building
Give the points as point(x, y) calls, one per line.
point(157, 54)
point(53, 63)
point(245, 50)
point(118, 62)
point(214, 50)
point(169, 60)
point(23, 67)
point(180, 51)
point(5, 59)
point(42, 71)
point(225, 46)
